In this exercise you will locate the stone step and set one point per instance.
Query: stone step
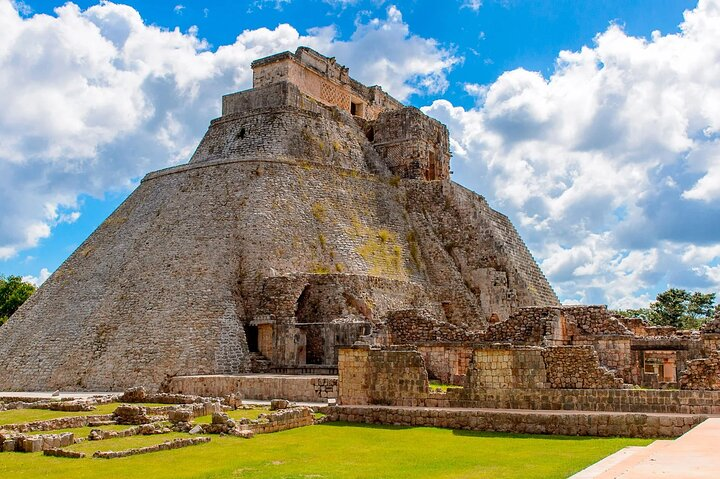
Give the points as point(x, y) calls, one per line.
point(259, 363)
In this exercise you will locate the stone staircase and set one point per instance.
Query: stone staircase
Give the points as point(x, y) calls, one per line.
point(259, 363)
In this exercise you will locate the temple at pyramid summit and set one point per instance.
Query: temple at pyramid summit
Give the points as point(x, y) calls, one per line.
point(316, 215)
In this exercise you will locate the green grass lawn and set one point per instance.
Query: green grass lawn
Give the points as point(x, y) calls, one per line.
point(18, 416)
point(334, 450)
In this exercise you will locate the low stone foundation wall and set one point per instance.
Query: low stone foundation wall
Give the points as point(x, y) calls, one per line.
point(64, 453)
point(265, 423)
point(165, 446)
point(261, 386)
point(59, 423)
point(283, 420)
point(522, 422)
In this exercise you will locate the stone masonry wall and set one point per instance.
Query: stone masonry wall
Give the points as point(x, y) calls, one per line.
point(537, 422)
point(358, 386)
point(577, 367)
point(411, 326)
point(500, 368)
point(702, 373)
point(371, 376)
point(295, 388)
point(448, 363)
point(459, 239)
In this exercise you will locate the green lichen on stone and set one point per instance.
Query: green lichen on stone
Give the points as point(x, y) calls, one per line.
point(380, 250)
point(414, 250)
point(320, 269)
point(319, 211)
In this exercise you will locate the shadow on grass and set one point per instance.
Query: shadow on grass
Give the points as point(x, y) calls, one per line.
point(364, 425)
point(463, 432)
point(510, 435)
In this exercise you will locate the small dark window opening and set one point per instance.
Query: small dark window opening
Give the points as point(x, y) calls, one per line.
point(357, 109)
point(242, 132)
point(251, 333)
point(370, 133)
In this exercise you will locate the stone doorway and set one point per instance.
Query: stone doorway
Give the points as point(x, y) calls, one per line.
point(252, 336)
point(315, 346)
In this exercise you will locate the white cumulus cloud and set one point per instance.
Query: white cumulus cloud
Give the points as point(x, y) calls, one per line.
point(39, 279)
point(611, 165)
point(94, 99)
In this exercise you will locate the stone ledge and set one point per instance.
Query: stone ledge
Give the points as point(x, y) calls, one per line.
point(575, 423)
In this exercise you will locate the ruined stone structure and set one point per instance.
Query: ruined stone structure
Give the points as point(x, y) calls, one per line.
point(315, 212)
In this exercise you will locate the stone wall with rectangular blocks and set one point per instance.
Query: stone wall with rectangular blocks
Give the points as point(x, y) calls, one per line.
point(263, 386)
point(536, 422)
point(373, 376)
point(399, 378)
point(501, 368)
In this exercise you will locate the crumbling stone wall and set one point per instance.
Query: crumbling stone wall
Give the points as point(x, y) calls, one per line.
point(573, 367)
point(594, 320)
point(702, 373)
point(358, 386)
point(527, 326)
point(411, 326)
point(447, 363)
point(412, 144)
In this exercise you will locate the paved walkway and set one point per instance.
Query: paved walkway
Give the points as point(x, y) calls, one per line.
point(49, 395)
point(694, 455)
point(82, 395)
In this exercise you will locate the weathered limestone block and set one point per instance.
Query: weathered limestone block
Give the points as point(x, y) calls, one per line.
point(129, 414)
point(180, 415)
point(279, 404)
point(64, 453)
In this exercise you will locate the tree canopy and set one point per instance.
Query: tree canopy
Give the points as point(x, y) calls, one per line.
point(678, 308)
point(13, 293)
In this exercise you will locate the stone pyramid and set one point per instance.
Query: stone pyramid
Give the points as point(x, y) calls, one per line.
point(313, 208)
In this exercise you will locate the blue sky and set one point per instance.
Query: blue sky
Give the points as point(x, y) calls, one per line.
point(591, 124)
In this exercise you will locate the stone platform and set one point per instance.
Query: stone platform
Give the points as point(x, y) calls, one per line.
point(691, 456)
point(523, 421)
point(308, 388)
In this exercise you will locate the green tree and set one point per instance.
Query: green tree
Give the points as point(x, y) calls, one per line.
point(13, 293)
point(642, 313)
point(669, 307)
point(678, 308)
